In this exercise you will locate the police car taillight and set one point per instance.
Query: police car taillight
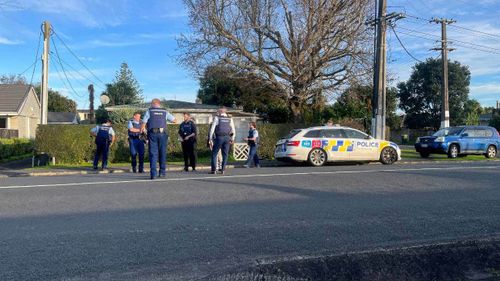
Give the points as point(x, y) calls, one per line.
point(293, 143)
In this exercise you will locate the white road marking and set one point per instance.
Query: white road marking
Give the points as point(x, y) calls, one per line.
point(145, 181)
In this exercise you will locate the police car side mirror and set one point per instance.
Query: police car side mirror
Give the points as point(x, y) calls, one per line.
point(464, 135)
point(368, 137)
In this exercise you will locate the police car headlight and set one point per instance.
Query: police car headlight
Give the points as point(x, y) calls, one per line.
point(439, 139)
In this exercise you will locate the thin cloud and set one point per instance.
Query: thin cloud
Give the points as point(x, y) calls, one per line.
point(6, 41)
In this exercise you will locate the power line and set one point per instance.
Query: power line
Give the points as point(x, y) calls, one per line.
point(454, 41)
point(402, 45)
point(64, 71)
point(420, 32)
point(476, 31)
point(29, 67)
point(81, 75)
point(457, 27)
point(81, 62)
point(36, 57)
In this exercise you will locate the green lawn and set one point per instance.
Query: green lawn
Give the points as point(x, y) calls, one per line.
point(408, 154)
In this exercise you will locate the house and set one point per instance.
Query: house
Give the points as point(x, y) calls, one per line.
point(201, 113)
point(19, 111)
point(84, 115)
point(63, 118)
point(484, 119)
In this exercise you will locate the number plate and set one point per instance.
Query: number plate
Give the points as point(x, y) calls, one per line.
point(424, 145)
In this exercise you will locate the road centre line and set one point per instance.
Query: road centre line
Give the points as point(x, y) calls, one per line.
point(246, 176)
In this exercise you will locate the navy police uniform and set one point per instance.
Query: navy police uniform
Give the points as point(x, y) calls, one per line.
point(188, 128)
point(223, 129)
point(104, 136)
point(136, 145)
point(253, 145)
point(156, 121)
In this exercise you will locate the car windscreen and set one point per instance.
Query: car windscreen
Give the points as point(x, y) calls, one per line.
point(292, 134)
point(455, 131)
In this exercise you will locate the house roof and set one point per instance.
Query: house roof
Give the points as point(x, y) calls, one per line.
point(61, 117)
point(12, 97)
point(486, 117)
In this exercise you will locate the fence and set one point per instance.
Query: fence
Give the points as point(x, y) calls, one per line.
point(8, 134)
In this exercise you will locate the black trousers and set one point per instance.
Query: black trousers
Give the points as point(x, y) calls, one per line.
point(189, 152)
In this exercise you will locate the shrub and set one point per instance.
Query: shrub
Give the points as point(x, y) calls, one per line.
point(15, 147)
point(73, 143)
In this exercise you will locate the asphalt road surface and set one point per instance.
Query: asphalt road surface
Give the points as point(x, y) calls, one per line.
point(190, 225)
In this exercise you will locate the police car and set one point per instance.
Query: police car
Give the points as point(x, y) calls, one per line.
point(318, 145)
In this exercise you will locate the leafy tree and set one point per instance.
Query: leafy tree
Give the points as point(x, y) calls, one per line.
point(472, 110)
point(495, 122)
point(121, 116)
point(356, 103)
point(299, 47)
point(125, 89)
point(101, 115)
point(57, 102)
point(225, 85)
point(420, 96)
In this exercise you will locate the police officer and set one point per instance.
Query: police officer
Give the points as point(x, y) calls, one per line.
point(224, 132)
point(104, 138)
point(253, 142)
point(188, 135)
point(136, 142)
point(155, 120)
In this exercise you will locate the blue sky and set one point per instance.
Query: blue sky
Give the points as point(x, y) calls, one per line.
point(142, 33)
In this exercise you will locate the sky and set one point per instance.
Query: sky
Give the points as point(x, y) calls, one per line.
point(103, 34)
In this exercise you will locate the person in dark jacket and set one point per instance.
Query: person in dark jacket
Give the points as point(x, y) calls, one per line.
point(155, 120)
point(188, 136)
point(136, 143)
point(104, 138)
point(253, 140)
point(223, 132)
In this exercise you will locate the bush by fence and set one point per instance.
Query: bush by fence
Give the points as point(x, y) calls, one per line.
point(15, 147)
point(73, 144)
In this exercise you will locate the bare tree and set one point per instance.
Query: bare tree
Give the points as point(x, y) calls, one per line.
point(14, 79)
point(301, 47)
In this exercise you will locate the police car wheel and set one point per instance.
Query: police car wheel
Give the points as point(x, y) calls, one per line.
point(491, 152)
point(388, 156)
point(317, 157)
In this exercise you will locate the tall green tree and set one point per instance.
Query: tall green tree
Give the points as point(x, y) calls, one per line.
point(420, 96)
point(225, 85)
point(57, 102)
point(356, 103)
point(124, 89)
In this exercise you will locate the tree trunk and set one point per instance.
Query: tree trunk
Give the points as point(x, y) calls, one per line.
point(297, 109)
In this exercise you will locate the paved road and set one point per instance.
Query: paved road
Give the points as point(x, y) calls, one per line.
point(123, 227)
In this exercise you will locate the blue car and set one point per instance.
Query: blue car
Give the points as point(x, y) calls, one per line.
point(460, 141)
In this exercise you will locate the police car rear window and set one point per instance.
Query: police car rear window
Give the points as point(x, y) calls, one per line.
point(313, 134)
point(292, 134)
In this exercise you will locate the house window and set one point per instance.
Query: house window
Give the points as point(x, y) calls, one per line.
point(3, 123)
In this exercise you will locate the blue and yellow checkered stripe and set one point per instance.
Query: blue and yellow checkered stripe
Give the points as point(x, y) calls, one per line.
point(342, 146)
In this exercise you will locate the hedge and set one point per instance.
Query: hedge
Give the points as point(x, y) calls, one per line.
point(72, 144)
point(15, 147)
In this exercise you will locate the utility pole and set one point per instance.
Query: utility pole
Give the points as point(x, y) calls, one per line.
point(44, 96)
point(380, 75)
point(445, 107)
point(91, 103)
